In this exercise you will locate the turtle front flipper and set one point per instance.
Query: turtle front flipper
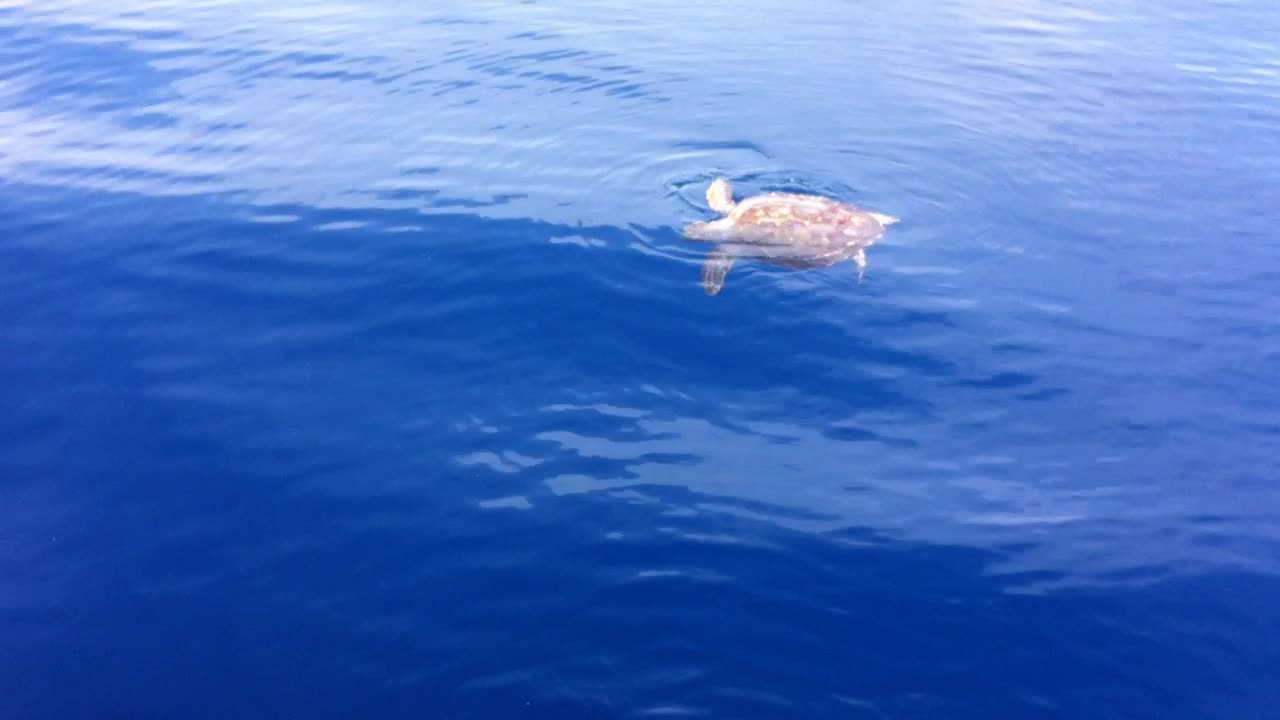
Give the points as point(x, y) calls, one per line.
point(714, 271)
point(720, 196)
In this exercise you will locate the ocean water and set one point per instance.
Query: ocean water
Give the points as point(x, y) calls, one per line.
point(353, 364)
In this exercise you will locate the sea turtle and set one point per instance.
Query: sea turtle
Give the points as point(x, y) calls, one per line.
point(787, 229)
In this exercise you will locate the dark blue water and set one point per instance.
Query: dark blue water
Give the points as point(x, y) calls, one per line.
point(353, 365)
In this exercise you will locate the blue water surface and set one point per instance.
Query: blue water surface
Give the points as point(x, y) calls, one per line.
point(354, 366)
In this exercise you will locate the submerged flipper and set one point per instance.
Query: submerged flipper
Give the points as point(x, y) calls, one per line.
point(860, 259)
point(714, 271)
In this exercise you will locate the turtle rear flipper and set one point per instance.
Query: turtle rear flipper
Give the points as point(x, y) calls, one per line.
point(714, 271)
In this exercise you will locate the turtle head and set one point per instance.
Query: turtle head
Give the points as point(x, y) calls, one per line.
point(714, 231)
point(720, 196)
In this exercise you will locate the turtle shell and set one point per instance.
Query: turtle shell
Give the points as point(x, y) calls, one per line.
point(803, 221)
